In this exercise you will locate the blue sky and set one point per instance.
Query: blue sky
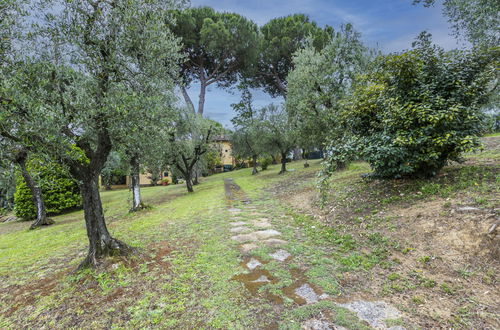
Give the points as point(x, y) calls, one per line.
point(389, 25)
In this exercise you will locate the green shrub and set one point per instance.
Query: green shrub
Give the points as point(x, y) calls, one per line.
point(418, 110)
point(59, 190)
point(264, 162)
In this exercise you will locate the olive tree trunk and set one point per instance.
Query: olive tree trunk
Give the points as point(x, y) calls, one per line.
point(135, 185)
point(254, 161)
point(101, 243)
point(36, 194)
point(283, 163)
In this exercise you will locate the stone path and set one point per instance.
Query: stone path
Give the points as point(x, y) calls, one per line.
point(257, 232)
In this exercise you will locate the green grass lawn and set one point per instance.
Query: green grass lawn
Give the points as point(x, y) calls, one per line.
point(362, 244)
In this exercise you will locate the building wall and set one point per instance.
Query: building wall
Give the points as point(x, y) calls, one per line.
point(145, 181)
point(226, 153)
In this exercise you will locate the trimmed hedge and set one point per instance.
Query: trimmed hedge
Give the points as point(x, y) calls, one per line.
point(59, 190)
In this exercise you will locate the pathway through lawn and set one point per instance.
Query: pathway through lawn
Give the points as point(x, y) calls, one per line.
point(271, 274)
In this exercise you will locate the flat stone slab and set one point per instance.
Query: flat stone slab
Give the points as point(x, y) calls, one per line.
point(274, 242)
point(256, 235)
point(280, 255)
point(253, 263)
point(265, 234)
point(237, 223)
point(468, 209)
point(239, 229)
point(373, 312)
point(244, 238)
point(315, 324)
point(234, 210)
point(261, 224)
point(306, 292)
point(262, 279)
point(245, 248)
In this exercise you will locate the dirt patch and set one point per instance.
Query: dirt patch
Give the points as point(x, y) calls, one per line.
point(439, 265)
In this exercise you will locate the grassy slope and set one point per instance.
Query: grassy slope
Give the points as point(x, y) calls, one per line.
point(201, 259)
point(358, 247)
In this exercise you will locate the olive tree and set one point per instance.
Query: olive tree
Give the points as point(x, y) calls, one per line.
point(248, 138)
point(94, 55)
point(318, 83)
point(279, 137)
point(189, 139)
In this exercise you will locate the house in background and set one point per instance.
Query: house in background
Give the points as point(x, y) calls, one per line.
point(124, 181)
point(224, 146)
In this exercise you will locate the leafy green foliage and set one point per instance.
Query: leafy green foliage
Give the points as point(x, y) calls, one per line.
point(248, 139)
point(280, 39)
point(60, 192)
point(319, 81)
point(217, 45)
point(476, 20)
point(264, 162)
point(114, 168)
point(418, 110)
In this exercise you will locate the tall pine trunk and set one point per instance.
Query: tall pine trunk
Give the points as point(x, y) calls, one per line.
point(283, 163)
point(101, 243)
point(135, 184)
point(254, 161)
point(36, 194)
point(201, 101)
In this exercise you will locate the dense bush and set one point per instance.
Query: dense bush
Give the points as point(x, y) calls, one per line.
point(418, 110)
point(264, 162)
point(59, 191)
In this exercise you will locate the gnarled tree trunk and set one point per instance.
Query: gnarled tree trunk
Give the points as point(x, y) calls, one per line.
point(135, 185)
point(283, 163)
point(101, 243)
point(36, 194)
point(189, 184)
point(254, 162)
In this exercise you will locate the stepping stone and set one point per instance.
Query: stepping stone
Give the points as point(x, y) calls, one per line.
point(238, 223)
point(315, 324)
point(244, 238)
point(468, 209)
point(265, 234)
point(239, 229)
point(253, 263)
point(245, 248)
point(261, 224)
point(274, 242)
point(280, 255)
point(234, 210)
point(373, 312)
point(307, 293)
point(256, 235)
point(262, 279)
